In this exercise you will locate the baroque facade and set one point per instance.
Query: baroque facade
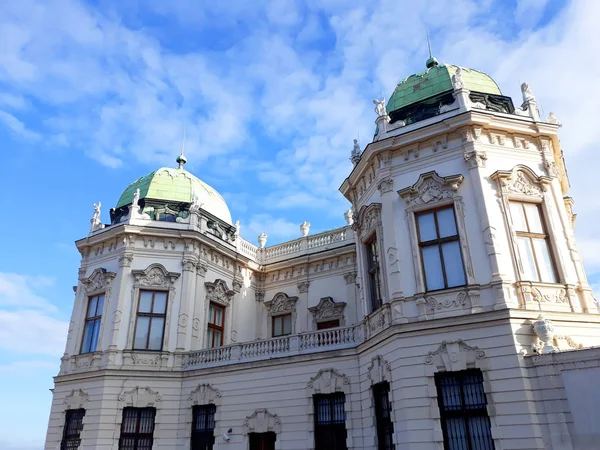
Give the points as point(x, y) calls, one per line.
point(452, 310)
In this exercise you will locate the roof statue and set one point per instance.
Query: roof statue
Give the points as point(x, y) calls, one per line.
point(553, 119)
point(237, 227)
point(95, 220)
point(355, 154)
point(136, 199)
point(526, 90)
point(457, 79)
point(380, 107)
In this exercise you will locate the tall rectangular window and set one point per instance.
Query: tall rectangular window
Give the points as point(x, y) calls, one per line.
point(374, 276)
point(72, 431)
point(533, 242)
point(383, 418)
point(463, 411)
point(93, 318)
point(330, 422)
point(150, 321)
point(216, 327)
point(137, 429)
point(440, 249)
point(203, 427)
point(282, 325)
point(328, 324)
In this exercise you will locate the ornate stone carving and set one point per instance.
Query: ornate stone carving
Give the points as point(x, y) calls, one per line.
point(125, 260)
point(144, 359)
point(544, 330)
point(259, 295)
point(521, 181)
point(189, 264)
point(262, 240)
point(140, 397)
point(281, 303)
point(262, 421)
point(326, 310)
point(475, 158)
point(350, 277)
point(368, 219)
point(431, 188)
point(385, 185)
point(183, 320)
point(458, 302)
point(355, 154)
point(329, 381)
point(305, 228)
point(454, 355)
point(457, 80)
point(237, 285)
point(201, 268)
point(303, 287)
point(218, 292)
point(553, 296)
point(553, 119)
point(155, 275)
point(526, 91)
point(76, 399)
point(100, 280)
point(379, 370)
point(96, 224)
point(204, 394)
point(348, 217)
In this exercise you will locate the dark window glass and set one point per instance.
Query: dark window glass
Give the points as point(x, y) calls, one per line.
point(533, 242)
point(383, 418)
point(216, 325)
point(330, 422)
point(374, 276)
point(137, 429)
point(150, 321)
point(203, 427)
point(440, 249)
point(463, 411)
point(328, 324)
point(282, 325)
point(262, 441)
point(72, 431)
point(93, 318)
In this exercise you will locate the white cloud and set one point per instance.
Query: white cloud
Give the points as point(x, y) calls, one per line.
point(277, 229)
point(19, 291)
point(18, 127)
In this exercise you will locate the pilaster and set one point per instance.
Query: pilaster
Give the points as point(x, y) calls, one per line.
point(188, 288)
point(198, 316)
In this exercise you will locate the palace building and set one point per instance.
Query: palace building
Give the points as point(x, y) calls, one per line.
point(451, 311)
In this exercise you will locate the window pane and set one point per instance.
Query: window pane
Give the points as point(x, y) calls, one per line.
point(141, 332)
point(147, 421)
point(426, 227)
point(95, 334)
point(156, 333)
point(87, 337)
point(145, 301)
point(100, 305)
point(209, 338)
point(542, 254)
point(218, 316)
point(446, 222)
point(455, 272)
point(533, 218)
point(287, 324)
point(92, 306)
point(518, 216)
point(277, 325)
point(457, 434)
point(433, 267)
point(526, 252)
point(160, 302)
point(218, 337)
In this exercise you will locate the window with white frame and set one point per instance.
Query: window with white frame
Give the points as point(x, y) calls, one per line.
point(282, 324)
point(93, 319)
point(533, 243)
point(439, 246)
point(216, 325)
point(150, 320)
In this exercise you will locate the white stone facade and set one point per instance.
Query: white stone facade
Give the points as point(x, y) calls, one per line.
point(469, 158)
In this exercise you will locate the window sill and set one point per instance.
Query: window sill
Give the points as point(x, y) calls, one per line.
point(540, 295)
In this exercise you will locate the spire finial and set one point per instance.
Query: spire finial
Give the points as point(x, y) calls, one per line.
point(181, 159)
point(432, 61)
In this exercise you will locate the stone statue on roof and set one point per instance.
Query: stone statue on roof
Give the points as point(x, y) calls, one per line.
point(380, 107)
point(136, 199)
point(526, 90)
point(457, 79)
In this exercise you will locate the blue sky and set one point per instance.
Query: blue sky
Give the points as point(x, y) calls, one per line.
point(272, 92)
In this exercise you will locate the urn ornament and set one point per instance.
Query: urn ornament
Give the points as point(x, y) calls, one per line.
point(305, 228)
point(544, 330)
point(262, 240)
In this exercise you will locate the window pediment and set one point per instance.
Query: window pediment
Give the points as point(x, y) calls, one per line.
point(219, 292)
point(281, 303)
point(521, 181)
point(155, 275)
point(98, 281)
point(431, 188)
point(327, 309)
point(368, 219)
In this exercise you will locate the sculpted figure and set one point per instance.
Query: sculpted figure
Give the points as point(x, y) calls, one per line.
point(380, 107)
point(457, 80)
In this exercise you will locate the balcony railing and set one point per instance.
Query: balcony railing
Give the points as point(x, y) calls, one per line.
point(312, 342)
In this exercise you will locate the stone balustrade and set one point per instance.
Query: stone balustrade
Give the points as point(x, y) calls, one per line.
point(312, 342)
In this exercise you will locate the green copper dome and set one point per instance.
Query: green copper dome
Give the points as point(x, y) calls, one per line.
point(435, 80)
point(177, 186)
